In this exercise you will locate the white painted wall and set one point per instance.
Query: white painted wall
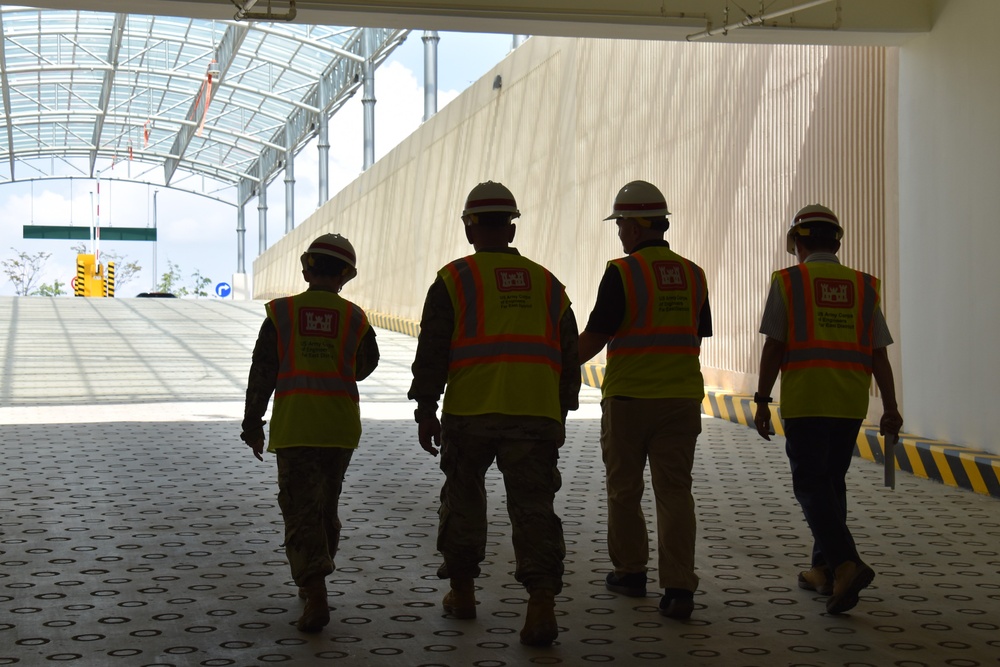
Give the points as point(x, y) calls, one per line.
point(949, 151)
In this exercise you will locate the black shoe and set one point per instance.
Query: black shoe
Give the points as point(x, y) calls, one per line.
point(677, 603)
point(632, 584)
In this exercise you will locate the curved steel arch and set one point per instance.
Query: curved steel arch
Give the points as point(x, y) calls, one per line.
point(220, 99)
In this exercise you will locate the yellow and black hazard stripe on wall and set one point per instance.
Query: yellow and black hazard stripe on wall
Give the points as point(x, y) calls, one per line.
point(393, 323)
point(109, 280)
point(944, 462)
point(949, 464)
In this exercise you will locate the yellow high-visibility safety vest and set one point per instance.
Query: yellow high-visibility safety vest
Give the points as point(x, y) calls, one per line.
point(654, 353)
point(505, 352)
point(316, 397)
point(831, 319)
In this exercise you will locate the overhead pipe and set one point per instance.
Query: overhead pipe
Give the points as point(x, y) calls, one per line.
point(244, 13)
point(751, 20)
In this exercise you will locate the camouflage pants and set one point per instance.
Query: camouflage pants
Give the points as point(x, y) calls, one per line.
point(309, 484)
point(531, 479)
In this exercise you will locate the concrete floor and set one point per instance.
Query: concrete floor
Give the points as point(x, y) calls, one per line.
point(136, 529)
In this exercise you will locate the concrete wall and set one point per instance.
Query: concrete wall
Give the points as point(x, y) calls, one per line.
point(949, 171)
point(737, 136)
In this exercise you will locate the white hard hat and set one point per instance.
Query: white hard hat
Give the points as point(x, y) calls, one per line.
point(814, 213)
point(639, 199)
point(490, 197)
point(335, 245)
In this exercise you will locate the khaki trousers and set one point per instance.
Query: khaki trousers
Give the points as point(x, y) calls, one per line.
point(662, 431)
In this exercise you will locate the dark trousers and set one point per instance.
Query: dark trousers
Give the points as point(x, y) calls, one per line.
point(820, 450)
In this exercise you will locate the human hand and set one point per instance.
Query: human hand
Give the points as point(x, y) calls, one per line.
point(891, 423)
point(762, 420)
point(429, 434)
point(257, 445)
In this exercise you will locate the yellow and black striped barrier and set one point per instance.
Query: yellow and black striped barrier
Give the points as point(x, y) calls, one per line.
point(81, 278)
point(109, 280)
point(950, 464)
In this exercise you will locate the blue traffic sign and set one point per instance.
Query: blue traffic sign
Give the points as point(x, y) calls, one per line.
point(223, 290)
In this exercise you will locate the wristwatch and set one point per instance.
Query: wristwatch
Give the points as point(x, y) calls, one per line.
point(419, 415)
point(757, 398)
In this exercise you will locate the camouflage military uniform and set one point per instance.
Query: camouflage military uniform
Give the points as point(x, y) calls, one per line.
point(525, 448)
point(309, 478)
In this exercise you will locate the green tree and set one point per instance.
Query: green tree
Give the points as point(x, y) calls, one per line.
point(23, 270)
point(55, 289)
point(201, 283)
point(171, 281)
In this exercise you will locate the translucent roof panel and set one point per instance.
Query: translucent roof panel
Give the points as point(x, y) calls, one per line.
point(208, 98)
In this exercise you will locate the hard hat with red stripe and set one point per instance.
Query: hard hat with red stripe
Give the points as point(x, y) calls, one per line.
point(334, 245)
point(489, 197)
point(639, 199)
point(813, 220)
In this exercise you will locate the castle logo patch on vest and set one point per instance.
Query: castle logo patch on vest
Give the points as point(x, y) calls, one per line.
point(513, 280)
point(319, 322)
point(669, 275)
point(834, 293)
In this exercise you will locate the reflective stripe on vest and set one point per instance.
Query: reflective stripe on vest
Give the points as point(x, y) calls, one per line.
point(810, 344)
point(473, 346)
point(505, 354)
point(654, 353)
point(293, 378)
point(827, 367)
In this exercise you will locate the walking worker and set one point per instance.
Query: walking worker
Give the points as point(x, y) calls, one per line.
point(498, 336)
point(652, 312)
point(310, 352)
point(827, 336)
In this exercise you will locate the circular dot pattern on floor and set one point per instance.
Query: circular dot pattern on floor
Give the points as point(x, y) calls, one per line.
point(159, 543)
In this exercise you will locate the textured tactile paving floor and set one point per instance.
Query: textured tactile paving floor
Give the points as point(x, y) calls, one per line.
point(159, 544)
point(135, 532)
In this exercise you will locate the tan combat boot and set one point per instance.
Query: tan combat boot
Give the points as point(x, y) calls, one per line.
point(849, 579)
point(460, 601)
point(316, 615)
point(540, 627)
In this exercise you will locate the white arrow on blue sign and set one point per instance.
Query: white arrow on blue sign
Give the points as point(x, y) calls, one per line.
point(223, 290)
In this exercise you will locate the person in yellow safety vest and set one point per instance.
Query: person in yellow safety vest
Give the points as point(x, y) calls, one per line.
point(827, 336)
point(311, 351)
point(498, 336)
point(652, 312)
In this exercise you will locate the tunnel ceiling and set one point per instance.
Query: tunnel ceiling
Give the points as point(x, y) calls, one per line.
point(181, 100)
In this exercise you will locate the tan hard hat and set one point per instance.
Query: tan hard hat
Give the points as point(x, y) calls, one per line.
point(811, 214)
point(490, 197)
point(335, 245)
point(639, 199)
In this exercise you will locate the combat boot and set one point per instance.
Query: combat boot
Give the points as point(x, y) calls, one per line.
point(460, 601)
point(540, 627)
point(316, 615)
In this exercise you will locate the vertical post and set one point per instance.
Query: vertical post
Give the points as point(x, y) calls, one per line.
point(430, 40)
point(241, 232)
point(155, 240)
point(518, 41)
point(289, 178)
point(323, 144)
point(262, 217)
point(368, 97)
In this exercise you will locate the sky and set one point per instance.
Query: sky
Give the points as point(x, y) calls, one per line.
point(199, 234)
